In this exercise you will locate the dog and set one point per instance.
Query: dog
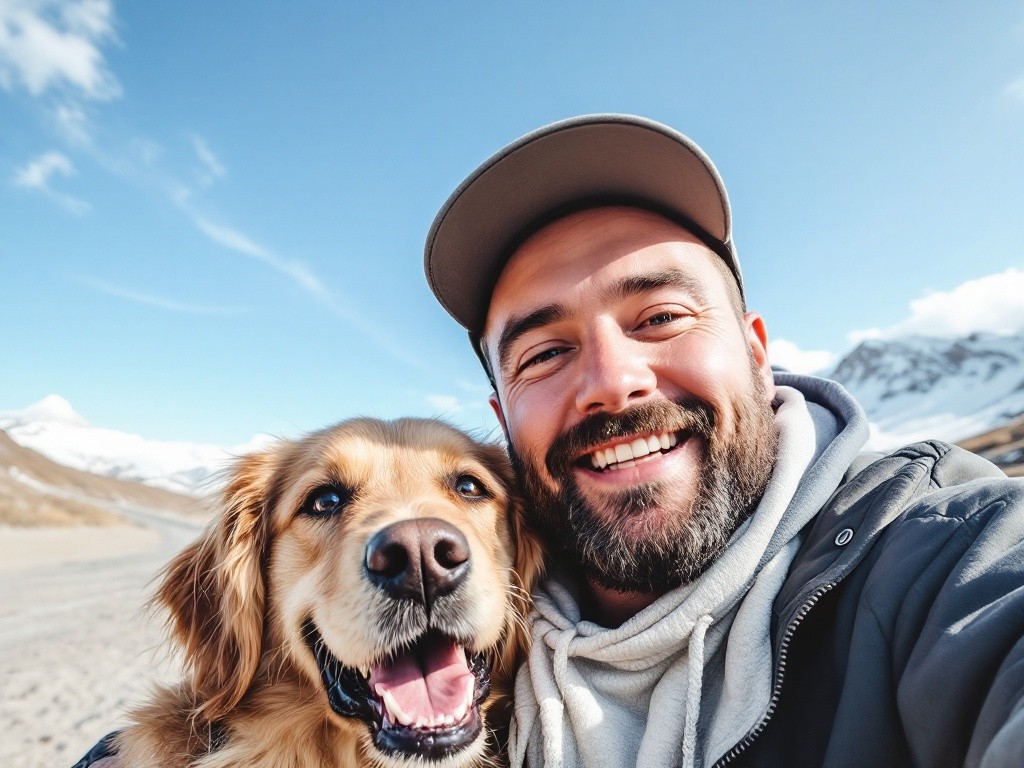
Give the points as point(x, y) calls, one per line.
point(359, 600)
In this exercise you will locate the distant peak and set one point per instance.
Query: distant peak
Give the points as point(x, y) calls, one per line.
point(53, 408)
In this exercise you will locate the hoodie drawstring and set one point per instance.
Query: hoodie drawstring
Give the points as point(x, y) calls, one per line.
point(695, 664)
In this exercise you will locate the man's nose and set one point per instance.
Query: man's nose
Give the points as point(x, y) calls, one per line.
point(616, 372)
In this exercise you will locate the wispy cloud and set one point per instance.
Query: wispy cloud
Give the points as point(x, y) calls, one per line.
point(475, 387)
point(445, 404)
point(72, 124)
point(785, 353)
point(53, 50)
point(56, 45)
point(213, 168)
point(236, 241)
point(1015, 90)
point(993, 304)
point(450, 405)
point(156, 301)
point(38, 173)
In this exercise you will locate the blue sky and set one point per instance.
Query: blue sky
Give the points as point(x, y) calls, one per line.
point(212, 214)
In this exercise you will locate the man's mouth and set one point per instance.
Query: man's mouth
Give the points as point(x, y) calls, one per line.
point(625, 454)
point(422, 700)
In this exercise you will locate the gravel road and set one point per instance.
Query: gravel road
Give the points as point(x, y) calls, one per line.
point(76, 646)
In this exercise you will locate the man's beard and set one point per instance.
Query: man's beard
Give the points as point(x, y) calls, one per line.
point(676, 545)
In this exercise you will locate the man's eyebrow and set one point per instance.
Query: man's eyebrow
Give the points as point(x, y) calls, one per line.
point(517, 326)
point(652, 281)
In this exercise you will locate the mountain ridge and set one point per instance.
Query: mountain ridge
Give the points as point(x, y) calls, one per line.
point(35, 490)
point(921, 387)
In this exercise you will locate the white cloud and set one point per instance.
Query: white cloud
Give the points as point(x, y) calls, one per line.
point(38, 173)
point(479, 389)
point(56, 45)
point(785, 353)
point(993, 304)
point(449, 405)
point(214, 168)
point(156, 301)
point(1015, 89)
point(445, 404)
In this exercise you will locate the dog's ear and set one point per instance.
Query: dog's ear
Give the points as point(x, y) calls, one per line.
point(528, 563)
point(528, 568)
point(215, 590)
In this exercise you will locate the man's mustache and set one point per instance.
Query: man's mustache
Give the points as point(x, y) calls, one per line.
point(685, 415)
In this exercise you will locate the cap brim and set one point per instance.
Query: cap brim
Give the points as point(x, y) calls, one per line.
point(596, 157)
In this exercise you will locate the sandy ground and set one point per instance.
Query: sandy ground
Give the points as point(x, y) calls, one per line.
point(76, 646)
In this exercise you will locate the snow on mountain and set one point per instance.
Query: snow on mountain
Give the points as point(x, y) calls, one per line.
point(53, 428)
point(912, 388)
point(920, 387)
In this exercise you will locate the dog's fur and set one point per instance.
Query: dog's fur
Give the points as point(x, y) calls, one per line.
point(241, 599)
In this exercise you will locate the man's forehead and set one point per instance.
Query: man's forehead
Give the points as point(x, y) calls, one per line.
point(572, 249)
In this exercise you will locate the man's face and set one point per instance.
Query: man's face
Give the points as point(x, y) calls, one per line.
point(636, 400)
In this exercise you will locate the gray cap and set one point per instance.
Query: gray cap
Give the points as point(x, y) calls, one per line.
point(569, 165)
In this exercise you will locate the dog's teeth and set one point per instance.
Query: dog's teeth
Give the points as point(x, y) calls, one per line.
point(396, 712)
point(663, 439)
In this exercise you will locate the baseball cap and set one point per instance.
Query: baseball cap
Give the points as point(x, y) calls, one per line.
point(582, 162)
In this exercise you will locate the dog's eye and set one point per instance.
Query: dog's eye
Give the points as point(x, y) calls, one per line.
point(470, 487)
point(325, 501)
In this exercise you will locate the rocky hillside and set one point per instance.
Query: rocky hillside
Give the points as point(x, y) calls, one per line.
point(1003, 446)
point(53, 428)
point(37, 491)
point(919, 387)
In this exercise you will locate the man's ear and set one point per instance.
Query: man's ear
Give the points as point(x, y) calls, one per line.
point(757, 340)
point(500, 414)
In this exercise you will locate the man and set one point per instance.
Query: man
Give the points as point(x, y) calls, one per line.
point(730, 581)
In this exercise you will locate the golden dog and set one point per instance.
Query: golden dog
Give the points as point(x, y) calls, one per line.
point(359, 600)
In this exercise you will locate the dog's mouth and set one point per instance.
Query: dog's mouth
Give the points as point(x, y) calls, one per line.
point(423, 700)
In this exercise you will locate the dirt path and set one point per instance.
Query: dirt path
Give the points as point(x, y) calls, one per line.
point(75, 644)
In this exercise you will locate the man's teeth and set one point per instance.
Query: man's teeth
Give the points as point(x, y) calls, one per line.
point(399, 715)
point(622, 455)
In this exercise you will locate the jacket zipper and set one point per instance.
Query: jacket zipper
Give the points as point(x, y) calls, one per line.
point(758, 729)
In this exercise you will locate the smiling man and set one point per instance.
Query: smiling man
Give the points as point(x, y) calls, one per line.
point(644, 467)
point(731, 581)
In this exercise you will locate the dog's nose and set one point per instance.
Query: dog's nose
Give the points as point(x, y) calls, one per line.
point(419, 559)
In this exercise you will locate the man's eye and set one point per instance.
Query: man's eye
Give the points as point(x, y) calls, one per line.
point(543, 357)
point(660, 319)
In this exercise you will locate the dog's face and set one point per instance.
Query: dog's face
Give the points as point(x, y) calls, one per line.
point(385, 563)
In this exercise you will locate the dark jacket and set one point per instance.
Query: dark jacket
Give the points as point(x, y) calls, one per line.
point(898, 636)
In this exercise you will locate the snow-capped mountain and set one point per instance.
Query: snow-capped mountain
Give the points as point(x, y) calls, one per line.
point(911, 388)
point(919, 387)
point(53, 428)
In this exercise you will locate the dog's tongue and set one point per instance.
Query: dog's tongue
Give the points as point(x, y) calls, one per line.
point(427, 683)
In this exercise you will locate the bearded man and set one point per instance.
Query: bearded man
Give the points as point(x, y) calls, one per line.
point(730, 580)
